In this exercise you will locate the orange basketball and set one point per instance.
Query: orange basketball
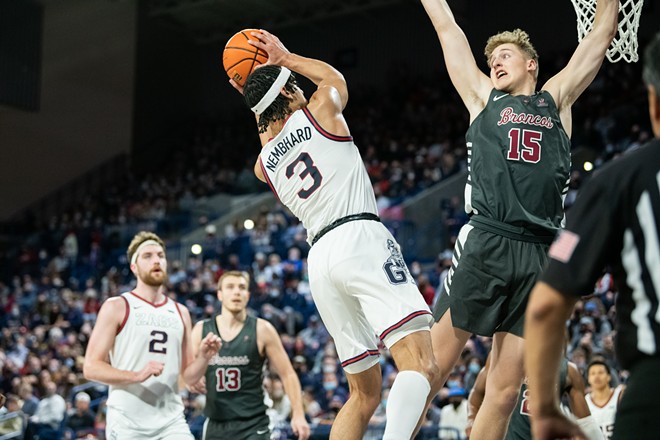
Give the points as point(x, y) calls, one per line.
point(240, 58)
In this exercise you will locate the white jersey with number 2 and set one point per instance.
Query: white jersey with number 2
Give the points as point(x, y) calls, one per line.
point(319, 176)
point(150, 332)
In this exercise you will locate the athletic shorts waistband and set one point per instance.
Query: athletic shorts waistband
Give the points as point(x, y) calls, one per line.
point(341, 221)
point(509, 231)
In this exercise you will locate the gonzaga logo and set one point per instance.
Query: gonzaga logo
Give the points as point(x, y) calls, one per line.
point(395, 267)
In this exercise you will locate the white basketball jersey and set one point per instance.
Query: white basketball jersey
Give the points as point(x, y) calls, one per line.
point(319, 176)
point(605, 414)
point(151, 332)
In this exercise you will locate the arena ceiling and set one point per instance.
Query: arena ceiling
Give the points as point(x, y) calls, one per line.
point(207, 21)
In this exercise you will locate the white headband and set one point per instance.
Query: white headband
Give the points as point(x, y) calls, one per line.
point(272, 93)
point(142, 245)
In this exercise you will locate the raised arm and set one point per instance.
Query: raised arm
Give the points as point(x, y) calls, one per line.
point(471, 83)
point(202, 350)
point(97, 357)
point(278, 358)
point(329, 81)
point(570, 82)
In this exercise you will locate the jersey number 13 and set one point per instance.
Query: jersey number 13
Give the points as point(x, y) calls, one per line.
point(228, 379)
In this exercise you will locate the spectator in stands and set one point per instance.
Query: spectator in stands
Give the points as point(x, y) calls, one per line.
point(49, 415)
point(453, 416)
point(425, 288)
point(100, 421)
point(81, 419)
point(312, 408)
point(280, 408)
point(30, 402)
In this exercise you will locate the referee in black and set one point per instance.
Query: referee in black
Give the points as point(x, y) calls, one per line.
point(615, 221)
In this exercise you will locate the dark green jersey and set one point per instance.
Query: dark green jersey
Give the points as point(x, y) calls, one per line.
point(234, 376)
point(519, 425)
point(518, 161)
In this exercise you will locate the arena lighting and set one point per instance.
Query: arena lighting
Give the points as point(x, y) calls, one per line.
point(248, 224)
point(588, 166)
point(196, 249)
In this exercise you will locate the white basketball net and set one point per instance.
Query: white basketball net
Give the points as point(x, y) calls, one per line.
point(624, 45)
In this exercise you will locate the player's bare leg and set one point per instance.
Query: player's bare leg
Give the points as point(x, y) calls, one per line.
point(448, 343)
point(353, 418)
point(418, 372)
point(505, 377)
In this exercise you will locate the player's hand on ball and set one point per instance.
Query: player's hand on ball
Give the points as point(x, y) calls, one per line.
point(237, 86)
point(210, 345)
point(153, 368)
point(277, 52)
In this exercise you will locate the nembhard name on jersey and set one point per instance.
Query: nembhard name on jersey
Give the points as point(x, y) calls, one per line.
point(229, 360)
point(283, 146)
point(160, 321)
point(509, 116)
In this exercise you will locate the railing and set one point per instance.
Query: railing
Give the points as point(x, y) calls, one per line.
point(11, 416)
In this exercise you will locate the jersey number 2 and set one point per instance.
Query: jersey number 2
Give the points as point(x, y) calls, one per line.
point(309, 170)
point(157, 344)
point(526, 147)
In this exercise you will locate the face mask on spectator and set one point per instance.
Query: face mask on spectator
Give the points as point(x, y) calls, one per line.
point(474, 367)
point(329, 386)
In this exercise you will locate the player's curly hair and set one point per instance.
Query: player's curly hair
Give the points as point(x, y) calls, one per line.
point(140, 238)
point(651, 72)
point(256, 86)
point(518, 37)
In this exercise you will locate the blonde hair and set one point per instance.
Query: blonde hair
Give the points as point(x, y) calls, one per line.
point(518, 37)
point(234, 273)
point(140, 238)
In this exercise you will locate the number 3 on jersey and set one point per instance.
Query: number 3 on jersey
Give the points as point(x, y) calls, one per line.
point(309, 170)
point(228, 379)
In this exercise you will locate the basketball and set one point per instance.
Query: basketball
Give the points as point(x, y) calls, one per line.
point(240, 58)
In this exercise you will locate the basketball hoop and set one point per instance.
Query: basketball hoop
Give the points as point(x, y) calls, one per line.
point(624, 45)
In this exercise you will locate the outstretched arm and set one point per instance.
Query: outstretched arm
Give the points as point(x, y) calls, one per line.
point(280, 361)
point(471, 83)
point(568, 85)
point(202, 351)
point(320, 73)
point(331, 96)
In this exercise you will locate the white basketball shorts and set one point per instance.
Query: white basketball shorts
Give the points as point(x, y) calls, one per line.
point(364, 292)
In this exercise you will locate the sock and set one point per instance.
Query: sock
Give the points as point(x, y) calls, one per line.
point(405, 404)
